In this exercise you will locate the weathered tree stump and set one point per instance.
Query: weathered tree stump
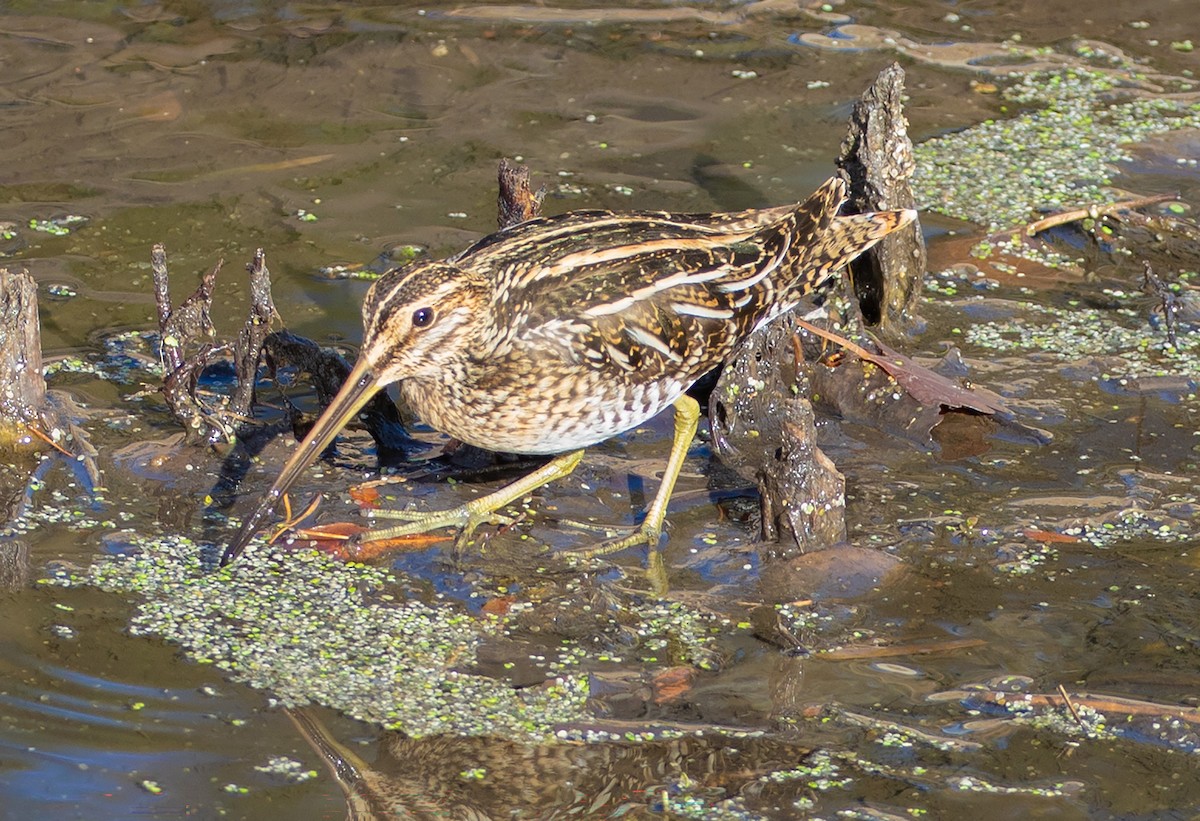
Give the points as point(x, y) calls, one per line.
point(32, 419)
point(516, 202)
point(14, 564)
point(762, 421)
point(22, 386)
point(186, 347)
point(763, 427)
point(248, 348)
point(877, 160)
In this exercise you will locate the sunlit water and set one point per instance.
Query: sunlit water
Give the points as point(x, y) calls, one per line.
point(215, 130)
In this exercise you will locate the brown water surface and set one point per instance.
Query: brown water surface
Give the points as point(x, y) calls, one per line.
point(214, 128)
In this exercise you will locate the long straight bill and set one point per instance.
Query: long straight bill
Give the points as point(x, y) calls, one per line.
point(358, 389)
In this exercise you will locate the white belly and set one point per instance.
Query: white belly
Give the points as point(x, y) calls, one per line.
point(538, 421)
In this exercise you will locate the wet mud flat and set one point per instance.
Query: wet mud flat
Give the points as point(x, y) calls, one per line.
point(932, 688)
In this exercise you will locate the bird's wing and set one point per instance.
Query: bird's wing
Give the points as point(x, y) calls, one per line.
point(669, 293)
point(648, 293)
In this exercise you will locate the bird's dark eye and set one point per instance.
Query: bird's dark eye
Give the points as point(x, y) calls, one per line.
point(422, 317)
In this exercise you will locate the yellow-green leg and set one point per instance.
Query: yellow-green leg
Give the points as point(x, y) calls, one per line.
point(479, 511)
point(687, 420)
point(470, 515)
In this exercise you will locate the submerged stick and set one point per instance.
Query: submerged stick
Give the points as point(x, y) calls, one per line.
point(1093, 212)
point(1101, 703)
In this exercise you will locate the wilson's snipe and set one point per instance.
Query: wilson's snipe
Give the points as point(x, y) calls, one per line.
point(420, 779)
point(561, 332)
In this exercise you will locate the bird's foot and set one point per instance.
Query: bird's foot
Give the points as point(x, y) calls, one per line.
point(646, 534)
point(466, 517)
point(470, 515)
point(598, 527)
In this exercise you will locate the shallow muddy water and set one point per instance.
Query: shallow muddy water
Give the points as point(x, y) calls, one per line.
point(331, 134)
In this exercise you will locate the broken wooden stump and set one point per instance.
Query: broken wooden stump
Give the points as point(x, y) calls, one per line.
point(253, 335)
point(186, 348)
point(763, 427)
point(32, 419)
point(877, 160)
point(762, 421)
point(22, 386)
point(761, 418)
point(516, 202)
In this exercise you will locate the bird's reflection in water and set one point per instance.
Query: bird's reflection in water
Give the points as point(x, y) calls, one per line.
point(477, 778)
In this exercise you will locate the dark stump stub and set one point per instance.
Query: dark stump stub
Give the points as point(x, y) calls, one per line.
point(186, 347)
point(761, 419)
point(32, 418)
point(22, 387)
point(763, 427)
point(516, 201)
point(248, 349)
point(877, 160)
point(14, 564)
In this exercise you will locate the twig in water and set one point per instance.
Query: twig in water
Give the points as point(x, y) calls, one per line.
point(1094, 212)
point(1062, 691)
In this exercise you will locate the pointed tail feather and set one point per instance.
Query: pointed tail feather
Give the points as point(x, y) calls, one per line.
point(845, 238)
point(822, 205)
point(856, 233)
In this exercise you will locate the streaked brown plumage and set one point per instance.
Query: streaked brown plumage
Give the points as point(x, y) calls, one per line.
point(562, 332)
point(425, 778)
